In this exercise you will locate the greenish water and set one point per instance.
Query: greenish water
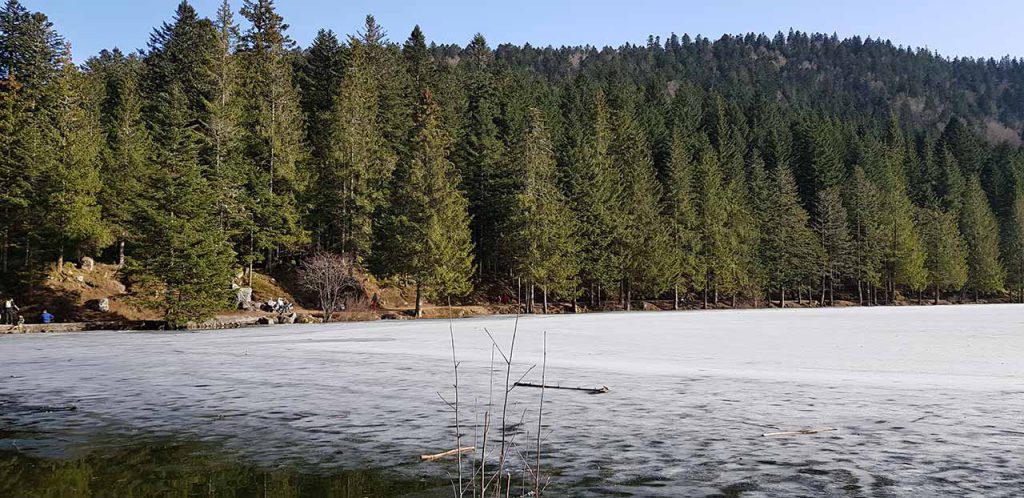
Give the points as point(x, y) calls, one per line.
point(183, 470)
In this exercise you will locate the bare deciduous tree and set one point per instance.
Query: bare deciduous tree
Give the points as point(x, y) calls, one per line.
point(330, 277)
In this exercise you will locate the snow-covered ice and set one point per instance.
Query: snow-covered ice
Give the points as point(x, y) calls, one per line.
point(928, 401)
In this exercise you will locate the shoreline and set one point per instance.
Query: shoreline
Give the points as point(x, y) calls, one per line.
point(310, 317)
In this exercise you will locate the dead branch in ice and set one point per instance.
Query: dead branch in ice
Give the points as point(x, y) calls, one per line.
point(588, 390)
point(446, 454)
point(800, 432)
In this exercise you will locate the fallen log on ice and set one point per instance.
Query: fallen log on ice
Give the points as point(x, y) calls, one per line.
point(588, 390)
point(449, 453)
point(800, 432)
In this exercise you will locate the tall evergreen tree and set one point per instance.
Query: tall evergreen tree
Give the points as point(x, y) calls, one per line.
point(185, 254)
point(320, 76)
point(836, 245)
point(947, 252)
point(593, 189)
point(863, 204)
point(73, 216)
point(981, 231)
point(272, 124)
point(428, 218)
point(646, 263)
point(1013, 252)
point(364, 161)
point(681, 213)
point(789, 246)
point(541, 230)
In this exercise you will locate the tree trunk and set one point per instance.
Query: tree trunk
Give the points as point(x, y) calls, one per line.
point(120, 254)
point(419, 300)
point(860, 292)
point(705, 294)
point(782, 297)
point(936, 295)
point(629, 297)
point(675, 298)
point(544, 289)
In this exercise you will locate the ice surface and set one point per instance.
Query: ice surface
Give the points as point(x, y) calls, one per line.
point(927, 400)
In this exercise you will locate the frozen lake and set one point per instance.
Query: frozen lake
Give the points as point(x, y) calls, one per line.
point(927, 401)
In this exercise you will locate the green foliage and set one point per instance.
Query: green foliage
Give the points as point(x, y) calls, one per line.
point(184, 255)
point(947, 251)
point(272, 132)
point(426, 227)
point(981, 231)
point(541, 230)
point(644, 245)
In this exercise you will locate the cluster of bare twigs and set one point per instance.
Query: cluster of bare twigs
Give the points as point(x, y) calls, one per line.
point(484, 473)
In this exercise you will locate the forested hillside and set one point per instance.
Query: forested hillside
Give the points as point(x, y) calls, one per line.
point(749, 168)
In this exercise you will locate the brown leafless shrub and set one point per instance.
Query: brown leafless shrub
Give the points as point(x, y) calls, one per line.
point(330, 277)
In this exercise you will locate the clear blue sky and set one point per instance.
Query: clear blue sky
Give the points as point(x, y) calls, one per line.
point(953, 27)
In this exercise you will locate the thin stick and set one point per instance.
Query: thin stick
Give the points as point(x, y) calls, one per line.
point(800, 432)
point(540, 415)
point(446, 454)
point(455, 364)
point(588, 390)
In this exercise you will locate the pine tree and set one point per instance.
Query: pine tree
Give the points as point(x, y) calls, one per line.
point(862, 201)
point(364, 161)
point(480, 155)
point(1013, 253)
point(646, 256)
point(712, 219)
point(182, 53)
point(681, 214)
point(125, 164)
point(947, 251)
point(272, 124)
point(593, 190)
point(541, 230)
point(904, 254)
point(428, 218)
point(789, 246)
point(320, 77)
point(73, 217)
point(223, 148)
point(184, 254)
point(981, 231)
point(836, 245)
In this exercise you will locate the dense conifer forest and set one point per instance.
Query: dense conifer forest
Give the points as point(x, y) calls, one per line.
point(751, 168)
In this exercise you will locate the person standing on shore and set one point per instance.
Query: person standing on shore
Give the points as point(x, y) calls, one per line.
point(9, 310)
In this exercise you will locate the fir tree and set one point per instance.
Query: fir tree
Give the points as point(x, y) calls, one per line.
point(947, 252)
point(981, 231)
point(593, 190)
point(364, 162)
point(681, 214)
point(789, 247)
point(862, 200)
point(272, 124)
point(73, 216)
point(428, 218)
point(836, 246)
point(320, 76)
point(1013, 253)
point(645, 246)
point(185, 254)
point(541, 230)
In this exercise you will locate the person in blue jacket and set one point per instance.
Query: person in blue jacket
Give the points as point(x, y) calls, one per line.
point(47, 317)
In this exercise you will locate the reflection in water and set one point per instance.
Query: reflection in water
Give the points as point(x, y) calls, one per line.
point(182, 470)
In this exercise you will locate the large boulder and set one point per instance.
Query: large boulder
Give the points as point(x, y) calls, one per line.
point(101, 305)
point(88, 264)
point(243, 298)
point(288, 319)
